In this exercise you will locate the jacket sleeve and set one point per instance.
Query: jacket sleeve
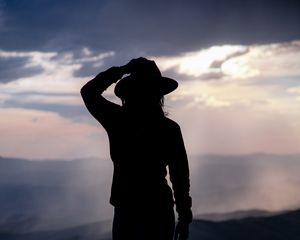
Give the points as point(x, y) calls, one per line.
point(180, 177)
point(99, 107)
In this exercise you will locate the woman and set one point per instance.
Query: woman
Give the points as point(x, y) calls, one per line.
point(143, 143)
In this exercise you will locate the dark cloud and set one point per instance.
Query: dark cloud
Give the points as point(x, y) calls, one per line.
point(14, 68)
point(134, 28)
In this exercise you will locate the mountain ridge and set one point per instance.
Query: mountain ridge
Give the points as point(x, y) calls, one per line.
point(278, 227)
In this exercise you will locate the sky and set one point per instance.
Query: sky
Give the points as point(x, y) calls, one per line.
point(237, 64)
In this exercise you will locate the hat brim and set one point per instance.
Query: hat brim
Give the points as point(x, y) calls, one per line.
point(163, 86)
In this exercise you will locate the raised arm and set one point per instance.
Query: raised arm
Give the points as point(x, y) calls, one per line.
point(180, 178)
point(100, 108)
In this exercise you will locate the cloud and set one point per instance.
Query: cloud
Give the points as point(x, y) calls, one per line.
point(14, 68)
point(235, 67)
point(16, 65)
point(295, 90)
point(266, 61)
point(91, 64)
point(57, 70)
point(67, 106)
point(134, 27)
point(248, 107)
point(203, 64)
point(238, 52)
point(55, 87)
point(236, 62)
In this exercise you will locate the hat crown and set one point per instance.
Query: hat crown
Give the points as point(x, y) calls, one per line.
point(147, 70)
point(145, 78)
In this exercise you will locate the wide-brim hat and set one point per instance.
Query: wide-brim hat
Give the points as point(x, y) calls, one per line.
point(145, 78)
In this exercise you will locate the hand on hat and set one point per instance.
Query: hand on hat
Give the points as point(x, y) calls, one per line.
point(135, 64)
point(113, 73)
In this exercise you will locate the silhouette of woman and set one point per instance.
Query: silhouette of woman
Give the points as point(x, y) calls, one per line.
point(143, 144)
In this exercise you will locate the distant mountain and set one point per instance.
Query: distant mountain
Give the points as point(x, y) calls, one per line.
point(41, 195)
point(280, 227)
point(93, 231)
point(235, 215)
point(285, 226)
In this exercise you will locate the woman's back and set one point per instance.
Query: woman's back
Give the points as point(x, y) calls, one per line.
point(141, 149)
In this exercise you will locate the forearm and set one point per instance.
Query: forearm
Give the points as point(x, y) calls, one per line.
point(99, 107)
point(183, 200)
point(180, 177)
point(101, 82)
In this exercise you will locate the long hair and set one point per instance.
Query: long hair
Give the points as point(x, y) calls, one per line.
point(160, 104)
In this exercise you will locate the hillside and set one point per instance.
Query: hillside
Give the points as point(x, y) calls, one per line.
point(279, 227)
point(284, 226)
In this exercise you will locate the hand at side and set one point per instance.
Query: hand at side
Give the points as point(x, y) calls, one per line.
point(182, 231)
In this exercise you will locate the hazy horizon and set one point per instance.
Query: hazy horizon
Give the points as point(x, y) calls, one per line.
point(219, 184)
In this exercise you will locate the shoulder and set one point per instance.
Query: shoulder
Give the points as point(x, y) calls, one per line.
point(171, 124)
